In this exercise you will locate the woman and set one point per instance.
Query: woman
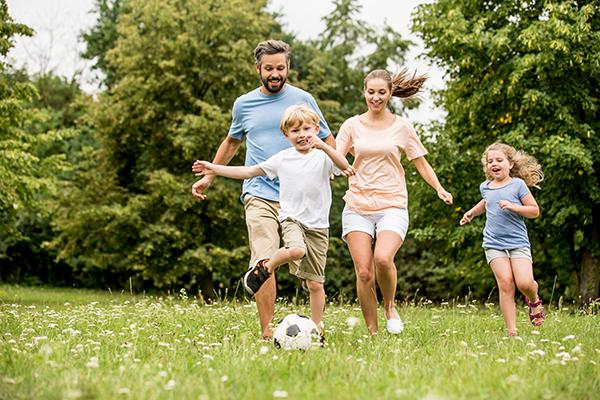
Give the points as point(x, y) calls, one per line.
point(376, 200)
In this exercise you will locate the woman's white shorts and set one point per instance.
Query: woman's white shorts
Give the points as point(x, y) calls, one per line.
point(391, 219)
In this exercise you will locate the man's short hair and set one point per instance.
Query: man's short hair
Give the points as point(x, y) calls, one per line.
point(271, 47)
point(297, 115)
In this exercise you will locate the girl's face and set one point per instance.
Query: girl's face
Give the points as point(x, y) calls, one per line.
point(498, 166)
point(377, 94)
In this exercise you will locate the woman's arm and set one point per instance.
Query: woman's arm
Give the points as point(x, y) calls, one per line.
point(429, 176)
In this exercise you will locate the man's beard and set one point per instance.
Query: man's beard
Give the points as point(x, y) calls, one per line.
point(265, 83)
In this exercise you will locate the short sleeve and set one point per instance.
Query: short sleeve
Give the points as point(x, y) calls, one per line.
point(343, 141)
point(414, 148)
point(236, 130)
point(271, 165)
point(523, 190)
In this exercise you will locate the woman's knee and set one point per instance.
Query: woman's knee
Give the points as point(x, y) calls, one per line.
point(365, 273)
point(527, 286)
point(383, 262)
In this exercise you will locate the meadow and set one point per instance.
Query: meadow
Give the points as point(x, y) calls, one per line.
point(76, 344)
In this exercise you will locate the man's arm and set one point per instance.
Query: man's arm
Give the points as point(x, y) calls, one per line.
point(330, 140)
point(225, 153)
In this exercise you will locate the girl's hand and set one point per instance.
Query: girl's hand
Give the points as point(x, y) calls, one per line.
point(506, 205)
point(202, 168)
point(467, 217)
point(445, 196)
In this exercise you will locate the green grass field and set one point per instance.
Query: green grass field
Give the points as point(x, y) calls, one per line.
point(74, 344)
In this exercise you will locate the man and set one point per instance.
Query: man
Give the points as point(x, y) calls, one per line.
point(256, 117)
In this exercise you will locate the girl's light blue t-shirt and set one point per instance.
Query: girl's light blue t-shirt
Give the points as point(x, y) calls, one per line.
point(256, 117)
point(504, 229)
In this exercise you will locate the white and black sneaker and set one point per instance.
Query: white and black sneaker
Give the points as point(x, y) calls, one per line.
point(256, 276)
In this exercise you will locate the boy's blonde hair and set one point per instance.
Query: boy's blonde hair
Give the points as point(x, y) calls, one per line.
point(525, 166)
point(297, 115)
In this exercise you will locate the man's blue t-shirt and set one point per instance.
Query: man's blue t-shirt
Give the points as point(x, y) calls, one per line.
point(504, 229)
point(257, 117)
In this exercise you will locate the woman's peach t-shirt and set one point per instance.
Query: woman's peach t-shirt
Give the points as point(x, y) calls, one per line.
point(379, 181)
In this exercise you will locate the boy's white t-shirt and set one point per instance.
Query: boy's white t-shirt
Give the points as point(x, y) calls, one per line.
point(304, 189)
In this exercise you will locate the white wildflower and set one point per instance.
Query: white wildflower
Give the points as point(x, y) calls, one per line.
point(280, 394)
point(170, 385)
point(93, 363)
point(352, 322)
point(569, 337)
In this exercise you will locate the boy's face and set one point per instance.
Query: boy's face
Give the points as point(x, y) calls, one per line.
point(298, 136)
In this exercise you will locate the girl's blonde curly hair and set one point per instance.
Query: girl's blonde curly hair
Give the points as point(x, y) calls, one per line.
point(525, 166)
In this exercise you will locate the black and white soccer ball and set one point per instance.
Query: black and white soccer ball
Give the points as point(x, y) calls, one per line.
point(296, 332)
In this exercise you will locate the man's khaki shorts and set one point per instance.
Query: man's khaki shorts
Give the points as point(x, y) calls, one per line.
point(264, 238)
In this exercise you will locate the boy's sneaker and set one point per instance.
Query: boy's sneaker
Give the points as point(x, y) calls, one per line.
point(256, 276)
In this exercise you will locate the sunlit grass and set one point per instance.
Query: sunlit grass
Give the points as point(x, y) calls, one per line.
point(57, 344)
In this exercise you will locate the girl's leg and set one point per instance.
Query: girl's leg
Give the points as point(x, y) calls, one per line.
point(523, 272)
point(360, 246)
point(387, 245)
point(506, 288)
point(317, 301)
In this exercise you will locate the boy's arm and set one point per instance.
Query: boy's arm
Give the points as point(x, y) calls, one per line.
point(209, 169)
point(338, 159)
point(225, 153)
point(477, 210)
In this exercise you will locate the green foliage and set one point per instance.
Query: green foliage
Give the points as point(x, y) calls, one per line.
point(524, 73)
point(177, 71)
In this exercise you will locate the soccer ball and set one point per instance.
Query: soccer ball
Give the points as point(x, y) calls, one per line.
point(296, 332)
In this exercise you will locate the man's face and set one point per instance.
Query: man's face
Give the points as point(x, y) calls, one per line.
point(273, 72)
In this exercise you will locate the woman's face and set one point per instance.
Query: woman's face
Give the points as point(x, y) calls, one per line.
point(377, 94)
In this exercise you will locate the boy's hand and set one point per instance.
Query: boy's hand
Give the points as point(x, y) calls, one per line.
point(445, 196)
point(202, 168)
point(466, 218)
point(349, 171)
point(316, 142)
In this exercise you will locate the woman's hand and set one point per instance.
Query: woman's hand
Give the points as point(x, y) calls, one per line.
point(445, 196)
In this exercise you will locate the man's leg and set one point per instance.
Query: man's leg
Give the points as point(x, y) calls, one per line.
point(263, 239)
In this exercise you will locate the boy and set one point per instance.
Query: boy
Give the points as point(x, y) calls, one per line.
point(305, 198)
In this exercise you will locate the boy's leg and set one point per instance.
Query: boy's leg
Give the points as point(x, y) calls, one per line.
point(263, 240)
point(312, 270)
point(506, 288)
point(317, 301)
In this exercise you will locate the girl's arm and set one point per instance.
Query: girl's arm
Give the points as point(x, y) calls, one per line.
point(428, 174)
point(477, 210)
point(529, 209)
point(207, 168)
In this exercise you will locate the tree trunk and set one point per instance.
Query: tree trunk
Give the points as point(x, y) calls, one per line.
point(589, 281)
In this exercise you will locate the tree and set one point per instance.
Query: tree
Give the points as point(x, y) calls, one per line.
point(27, 166)
point(525, 73)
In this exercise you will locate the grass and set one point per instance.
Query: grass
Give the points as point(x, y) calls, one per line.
point(60, 344)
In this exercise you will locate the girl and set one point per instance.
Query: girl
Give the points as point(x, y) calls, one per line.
point(507, 201)
point(376, 200)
